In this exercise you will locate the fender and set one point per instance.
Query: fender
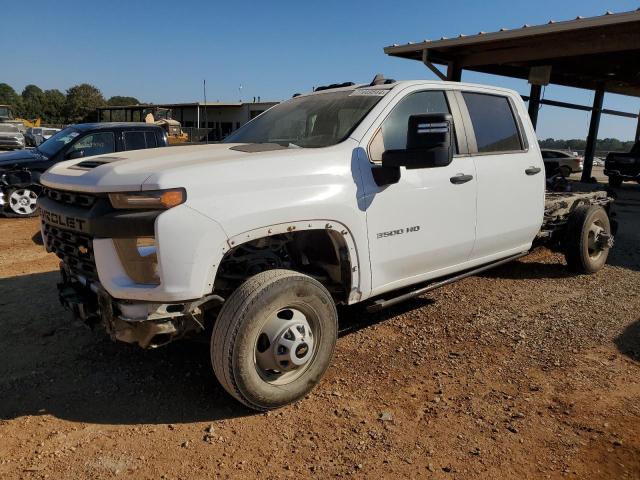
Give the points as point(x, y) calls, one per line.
point(355, 295)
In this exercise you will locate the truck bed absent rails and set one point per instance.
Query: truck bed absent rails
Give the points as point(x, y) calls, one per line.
point(559, 206)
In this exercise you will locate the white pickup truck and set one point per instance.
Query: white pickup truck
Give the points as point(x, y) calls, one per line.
point(374, 192)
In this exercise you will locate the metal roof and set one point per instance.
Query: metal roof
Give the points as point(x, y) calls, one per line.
point(582, 52)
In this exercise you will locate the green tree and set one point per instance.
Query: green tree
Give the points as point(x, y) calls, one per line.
point(52, 106)
point(118, 100)
point(82, 102)
point(8, 96)
point(32, 101)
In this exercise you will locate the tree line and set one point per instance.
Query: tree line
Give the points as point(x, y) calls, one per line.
point(603, 145)
point(78, 104)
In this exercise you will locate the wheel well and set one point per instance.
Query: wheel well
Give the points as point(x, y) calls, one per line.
point(321, 254)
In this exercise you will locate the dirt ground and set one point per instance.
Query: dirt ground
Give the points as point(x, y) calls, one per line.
point(524, 372)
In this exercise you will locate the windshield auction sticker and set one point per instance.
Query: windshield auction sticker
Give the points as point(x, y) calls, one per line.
point(368, 92)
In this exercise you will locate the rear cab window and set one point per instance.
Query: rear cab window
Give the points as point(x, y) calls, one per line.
point(494, 123)
point(139, 139)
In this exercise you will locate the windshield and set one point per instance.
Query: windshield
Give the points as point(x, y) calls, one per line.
point(313, 121)
point(53, 145)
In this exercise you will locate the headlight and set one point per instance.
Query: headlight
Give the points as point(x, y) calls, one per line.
point(152, 199)
point(139, 259)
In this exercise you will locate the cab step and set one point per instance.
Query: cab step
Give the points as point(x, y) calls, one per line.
point(382, 303)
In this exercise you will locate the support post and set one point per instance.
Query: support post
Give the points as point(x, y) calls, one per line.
point(454, 72)
point(594, 125)
point(431, 66)
point(638, 129)
point(534, 104)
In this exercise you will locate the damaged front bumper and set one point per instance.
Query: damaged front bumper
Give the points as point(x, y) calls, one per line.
point(148, 324)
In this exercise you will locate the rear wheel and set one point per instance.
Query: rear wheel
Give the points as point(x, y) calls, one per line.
point(22, 202)
point(565, 171)
point(588, 239)
point(615, 181)
point(274, 338)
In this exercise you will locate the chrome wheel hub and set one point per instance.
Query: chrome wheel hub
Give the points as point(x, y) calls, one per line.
point(597, 240)
point(23, 201)
point(284, 346)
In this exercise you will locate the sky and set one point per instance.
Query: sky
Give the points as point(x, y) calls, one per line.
point(160, 51)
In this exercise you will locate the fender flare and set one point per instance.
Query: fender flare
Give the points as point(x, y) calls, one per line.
point(337, 228)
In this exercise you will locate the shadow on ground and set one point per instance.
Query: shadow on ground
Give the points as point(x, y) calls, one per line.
point(53, 365)
point(628, 342)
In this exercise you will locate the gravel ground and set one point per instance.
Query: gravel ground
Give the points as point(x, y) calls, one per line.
point(523, 372)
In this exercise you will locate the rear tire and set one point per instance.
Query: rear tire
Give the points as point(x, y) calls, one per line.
point(565, 171)
point(585, 249)
point(274, 339)
point(615, 181)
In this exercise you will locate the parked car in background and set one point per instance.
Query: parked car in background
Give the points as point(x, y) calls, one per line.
point(622, 167)
point(563, 162)
point(20, 171)
point(34, 136)
point(10, 137)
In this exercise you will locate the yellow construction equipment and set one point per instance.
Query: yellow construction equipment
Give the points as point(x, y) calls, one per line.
point(6, 116)
point(162, 117)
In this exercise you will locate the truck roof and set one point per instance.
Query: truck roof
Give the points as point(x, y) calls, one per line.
point(406, 83)
point(83, 127)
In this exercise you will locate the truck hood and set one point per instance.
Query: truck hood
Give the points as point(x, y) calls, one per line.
point(20, 158)
point(179, 166)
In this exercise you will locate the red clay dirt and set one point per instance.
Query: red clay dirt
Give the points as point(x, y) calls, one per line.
point(524, 372)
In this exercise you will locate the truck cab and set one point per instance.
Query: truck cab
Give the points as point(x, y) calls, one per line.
point(344, 195)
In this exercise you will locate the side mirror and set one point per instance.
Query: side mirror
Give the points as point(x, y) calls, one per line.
point(74, 154)
point(429, 143)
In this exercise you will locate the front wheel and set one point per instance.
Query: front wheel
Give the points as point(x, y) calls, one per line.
point(588, 239)
point(22, 202)
point(274, 338)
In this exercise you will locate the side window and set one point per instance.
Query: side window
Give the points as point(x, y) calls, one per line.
point(493, 123)
point(393, 134)
point(151, 139)
point(134, 141)
point(95, 144)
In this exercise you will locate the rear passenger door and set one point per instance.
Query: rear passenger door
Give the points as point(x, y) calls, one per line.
point(510, 175)
point(139, 139)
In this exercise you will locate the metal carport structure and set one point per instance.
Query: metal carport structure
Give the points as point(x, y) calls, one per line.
point(597, 53)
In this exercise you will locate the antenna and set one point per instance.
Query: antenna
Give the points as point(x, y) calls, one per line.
point(206, 123)
point(240, 93)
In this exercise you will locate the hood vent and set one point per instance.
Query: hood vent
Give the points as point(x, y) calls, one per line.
point(89, 164)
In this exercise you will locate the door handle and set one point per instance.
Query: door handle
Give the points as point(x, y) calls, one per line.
point(460, 179)
point(532, 170)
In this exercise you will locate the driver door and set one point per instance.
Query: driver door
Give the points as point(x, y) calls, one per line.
point(424, 225)
point(97, 143)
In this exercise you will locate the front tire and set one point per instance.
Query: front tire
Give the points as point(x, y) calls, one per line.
point(21, 202)
point(274, 339)
point(588, 239)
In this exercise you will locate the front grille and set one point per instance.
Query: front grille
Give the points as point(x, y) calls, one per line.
point(74, 249)
point(81, 200)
